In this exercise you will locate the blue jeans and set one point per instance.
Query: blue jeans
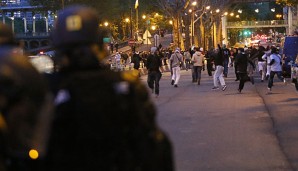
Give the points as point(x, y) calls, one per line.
point(226, 67)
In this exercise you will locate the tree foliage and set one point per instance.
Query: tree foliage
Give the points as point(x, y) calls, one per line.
point(287, 2)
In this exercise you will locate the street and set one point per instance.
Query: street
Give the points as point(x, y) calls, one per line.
point(227, 131)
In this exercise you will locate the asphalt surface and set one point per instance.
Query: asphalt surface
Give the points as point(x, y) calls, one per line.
point(227, 131)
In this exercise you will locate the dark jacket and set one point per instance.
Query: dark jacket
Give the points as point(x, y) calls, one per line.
point(153, 63)
point(218, 57)
point(136, 59)
point(241, 62)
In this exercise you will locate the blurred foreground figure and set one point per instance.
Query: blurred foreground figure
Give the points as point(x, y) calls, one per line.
point(24, 109)
point(23, 112)
point(104, 120)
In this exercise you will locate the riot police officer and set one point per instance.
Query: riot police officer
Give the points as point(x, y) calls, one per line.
point(104, 120)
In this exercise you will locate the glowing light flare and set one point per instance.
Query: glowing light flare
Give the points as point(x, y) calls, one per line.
point(33, 154)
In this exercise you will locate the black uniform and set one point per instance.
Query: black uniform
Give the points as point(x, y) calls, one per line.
point(105, 121)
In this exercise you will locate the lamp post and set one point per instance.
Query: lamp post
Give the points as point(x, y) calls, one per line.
point(147, 29)
point(25, 25)
point(126, 30)
point(193, 4)
point(33, 24)
point(12, 24)
point(47, 24)
point(171, 23)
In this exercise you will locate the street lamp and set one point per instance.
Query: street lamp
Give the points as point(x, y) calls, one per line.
point(278, 16)
point(47, 24)
point(25, 25)
point(12, 24)
point(33, 24)
point(193, 4)
point(171, 23)
point(126, 26)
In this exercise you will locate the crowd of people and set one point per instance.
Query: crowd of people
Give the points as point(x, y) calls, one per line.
point(247, 62)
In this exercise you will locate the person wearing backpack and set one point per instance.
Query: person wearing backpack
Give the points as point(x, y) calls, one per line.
point(176, 60)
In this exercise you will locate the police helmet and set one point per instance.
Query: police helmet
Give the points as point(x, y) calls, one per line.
point(76, 25)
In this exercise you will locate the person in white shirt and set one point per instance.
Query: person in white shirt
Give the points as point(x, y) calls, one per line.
point(276, 68)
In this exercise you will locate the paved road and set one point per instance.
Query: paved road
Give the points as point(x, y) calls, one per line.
point(227, 131)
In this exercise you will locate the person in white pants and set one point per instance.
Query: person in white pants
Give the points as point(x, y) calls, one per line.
point(176, 59)
point(218, 74)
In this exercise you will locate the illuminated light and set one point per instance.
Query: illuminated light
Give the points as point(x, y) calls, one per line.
point(194, 3)
point(127, 20)
point(226, 13)
point(106, 24)
point(257, 10)
point(232, 14)
point(33, 154)
point(237, 16)
point(171, 22)
point(189, 10)
point(217, 11)
point(240, 11)
point(208, 8)
point(41, 52)
point(153, 27)
point(273, 9)
point(144, 16)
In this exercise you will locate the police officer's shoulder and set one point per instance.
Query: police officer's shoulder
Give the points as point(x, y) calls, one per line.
point(130, 76)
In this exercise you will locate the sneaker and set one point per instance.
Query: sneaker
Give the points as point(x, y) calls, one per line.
point(172, 83)
point(224, 88)
point(285, 82)
point(215, 88)
point(269, 90)
point(239, 90)
point(175, 85)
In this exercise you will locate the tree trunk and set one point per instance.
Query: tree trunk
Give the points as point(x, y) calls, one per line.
point(187, 24)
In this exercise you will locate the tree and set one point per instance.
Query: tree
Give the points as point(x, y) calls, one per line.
point(289, 3)
point(174, 9)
